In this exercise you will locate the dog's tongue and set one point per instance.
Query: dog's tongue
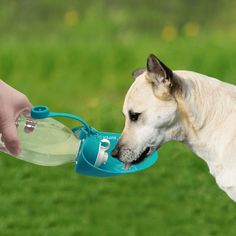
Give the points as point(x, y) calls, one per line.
point(127, 165)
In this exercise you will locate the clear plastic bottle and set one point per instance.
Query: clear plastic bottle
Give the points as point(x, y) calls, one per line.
point(45, 142)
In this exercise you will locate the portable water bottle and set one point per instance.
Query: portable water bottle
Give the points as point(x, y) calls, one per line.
point(46, 141)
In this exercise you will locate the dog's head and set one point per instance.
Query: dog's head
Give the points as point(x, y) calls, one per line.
point(150, 111)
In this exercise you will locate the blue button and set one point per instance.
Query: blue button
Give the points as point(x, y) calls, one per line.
point(39, 112)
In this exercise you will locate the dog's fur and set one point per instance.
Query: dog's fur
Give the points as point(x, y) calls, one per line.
point(192, 108)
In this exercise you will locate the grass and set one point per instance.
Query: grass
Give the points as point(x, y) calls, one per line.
point(89, 76)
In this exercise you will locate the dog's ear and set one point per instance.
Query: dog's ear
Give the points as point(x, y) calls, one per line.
point(138, 72)
point(160, 76)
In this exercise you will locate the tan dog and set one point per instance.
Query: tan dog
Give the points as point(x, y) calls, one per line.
point(192, 108)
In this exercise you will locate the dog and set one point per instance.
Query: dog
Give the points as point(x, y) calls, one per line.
point(200, 111)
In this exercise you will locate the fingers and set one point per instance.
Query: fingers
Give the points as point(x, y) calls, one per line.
point(28, 105)
point(9, 129)
point(10, 138)
point(23, 107)
point(23, 104)
point(12, 104)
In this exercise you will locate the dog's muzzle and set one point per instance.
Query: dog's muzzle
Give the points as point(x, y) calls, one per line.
point(142, 156)
point(127, 155)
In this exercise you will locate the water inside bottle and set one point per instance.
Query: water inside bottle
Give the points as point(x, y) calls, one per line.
point(46, 142)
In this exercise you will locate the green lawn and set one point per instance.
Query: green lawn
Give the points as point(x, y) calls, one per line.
point(89, 76)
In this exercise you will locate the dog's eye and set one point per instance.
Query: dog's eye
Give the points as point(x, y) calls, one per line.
point(134, 115)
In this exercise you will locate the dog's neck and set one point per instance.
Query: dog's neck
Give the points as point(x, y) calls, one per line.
point(204, 104)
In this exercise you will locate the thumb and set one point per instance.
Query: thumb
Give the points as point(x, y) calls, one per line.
point(10, 138)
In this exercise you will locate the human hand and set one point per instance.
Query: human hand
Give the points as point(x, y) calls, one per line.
point(12, 104)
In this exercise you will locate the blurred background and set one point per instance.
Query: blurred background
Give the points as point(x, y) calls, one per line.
point(77, 57)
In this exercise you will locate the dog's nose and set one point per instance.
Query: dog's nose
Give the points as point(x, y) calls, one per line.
point(115, 151)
